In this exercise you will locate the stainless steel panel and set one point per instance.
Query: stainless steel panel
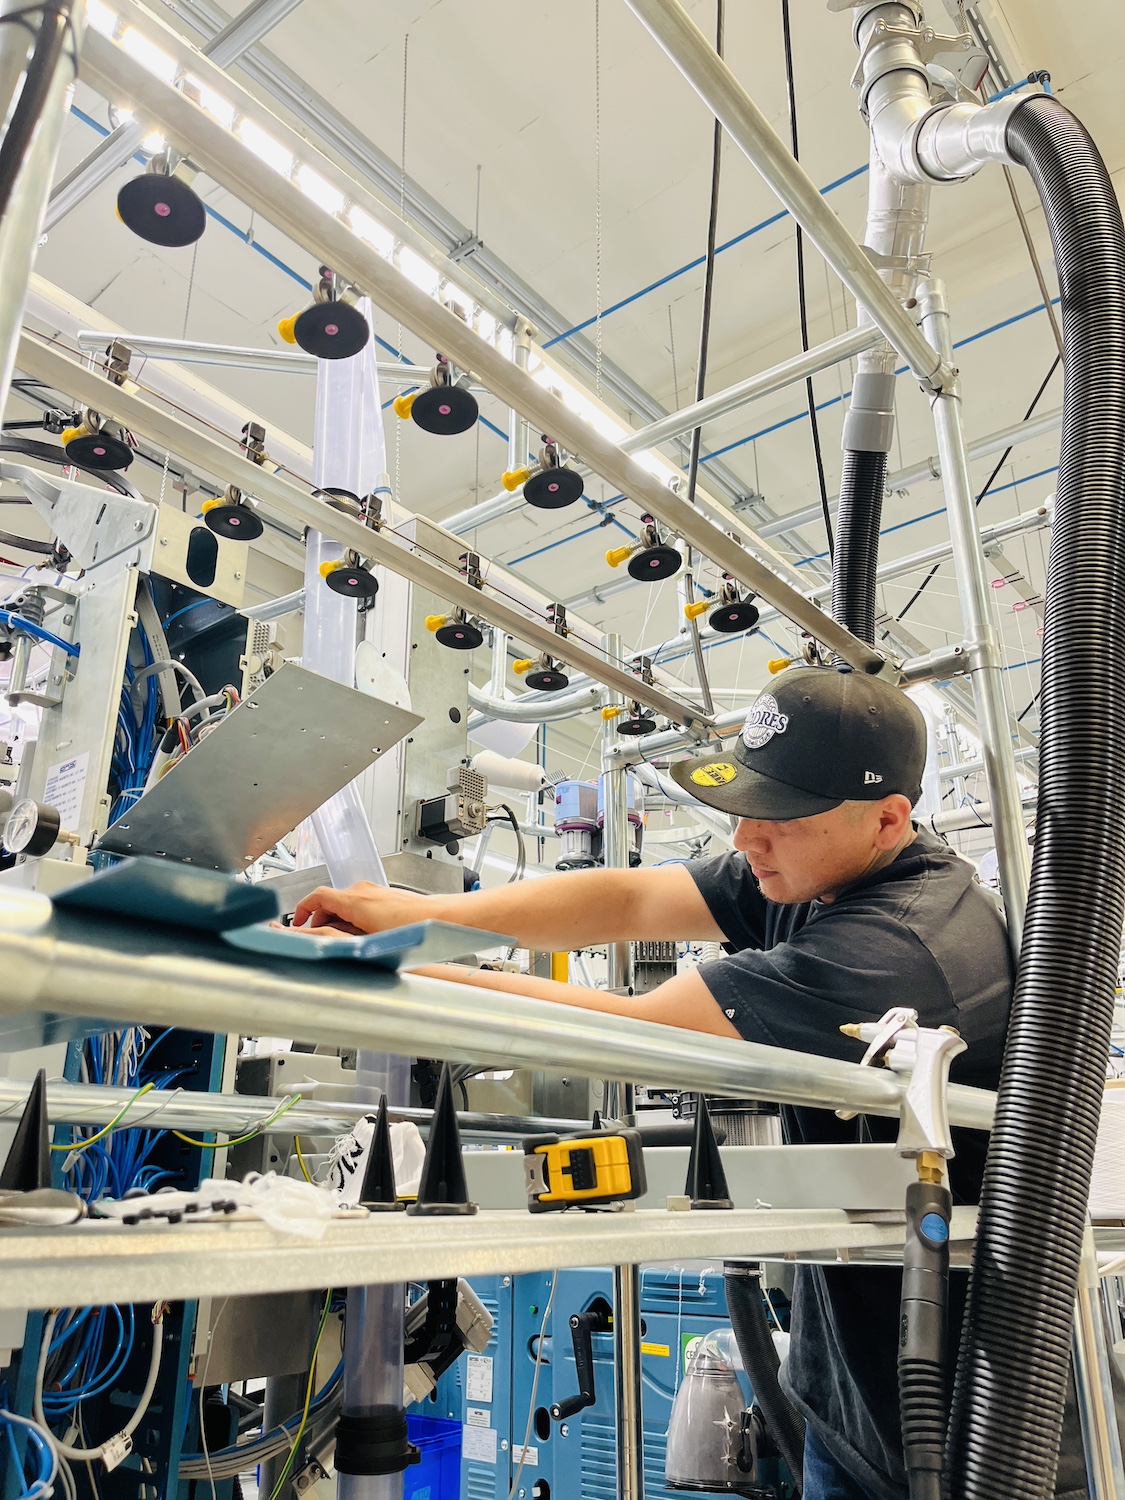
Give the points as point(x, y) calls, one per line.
point(291, 745)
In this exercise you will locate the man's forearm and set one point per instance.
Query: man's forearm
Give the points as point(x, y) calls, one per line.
point(559, 912)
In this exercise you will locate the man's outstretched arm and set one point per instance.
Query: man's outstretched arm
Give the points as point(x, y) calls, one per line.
point(560, 912)
point(683, 1001)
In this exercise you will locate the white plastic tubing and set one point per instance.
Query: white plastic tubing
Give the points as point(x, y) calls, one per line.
point(349, 452)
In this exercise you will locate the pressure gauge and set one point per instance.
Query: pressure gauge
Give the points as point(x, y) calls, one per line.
point(32, 828)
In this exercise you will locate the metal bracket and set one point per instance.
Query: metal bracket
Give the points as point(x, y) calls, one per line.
point(93, 524)
point(958, 56)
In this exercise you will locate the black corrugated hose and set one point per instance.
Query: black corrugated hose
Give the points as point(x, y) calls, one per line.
point(863, 481)
point(743, 1283)
point(1011, 1378)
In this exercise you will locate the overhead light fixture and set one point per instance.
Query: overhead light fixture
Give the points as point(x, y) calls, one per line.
point(265, 148)
point(101, 18)
point(321, 192)
point(148, 54)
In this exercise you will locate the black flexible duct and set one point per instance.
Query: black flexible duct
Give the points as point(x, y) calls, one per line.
point(863, 481)
point(759, 1359)
point(1011, 1378)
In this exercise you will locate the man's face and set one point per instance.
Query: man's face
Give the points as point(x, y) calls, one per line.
point(818, 856)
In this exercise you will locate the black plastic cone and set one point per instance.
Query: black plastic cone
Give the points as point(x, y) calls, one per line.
point(706, 1181)
point(443, 1189)
point(377, 1190)
point(28, 1165)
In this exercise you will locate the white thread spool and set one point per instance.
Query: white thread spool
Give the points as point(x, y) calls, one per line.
point(1107, 1183)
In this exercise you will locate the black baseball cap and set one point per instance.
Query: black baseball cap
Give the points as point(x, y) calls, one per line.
point(819, 737)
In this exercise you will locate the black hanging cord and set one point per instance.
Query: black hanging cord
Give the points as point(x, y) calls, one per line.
point(801, 297)
point(708, 274)
point(54, 27)
point(989, 482)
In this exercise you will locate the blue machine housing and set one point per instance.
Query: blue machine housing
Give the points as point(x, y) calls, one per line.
point(576, 1459)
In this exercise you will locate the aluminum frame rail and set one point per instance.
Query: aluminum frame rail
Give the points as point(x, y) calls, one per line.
point(108, 68)
point(748, 128)
point(284, 498)
point(240, 1257)
point(129, 973)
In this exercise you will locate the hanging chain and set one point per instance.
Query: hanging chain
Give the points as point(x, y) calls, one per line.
point(164, 478)
point(190, 288)
point(598, 198)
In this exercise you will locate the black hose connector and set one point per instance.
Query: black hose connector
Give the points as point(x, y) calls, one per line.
point(1015, 1349)
point(921, 1350)
point(374, 1442)
point(748, 1319)
point(863, 482)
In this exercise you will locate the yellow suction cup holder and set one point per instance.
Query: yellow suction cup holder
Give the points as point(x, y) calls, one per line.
point(693, 611)
point(404, 405)
point(612, 712)
point(617, 555)
point(513, 478)
point(70, 433)
point(525, 664)
point(330, 566)
point(435, 622)
point(286, 328)
point(778, 664)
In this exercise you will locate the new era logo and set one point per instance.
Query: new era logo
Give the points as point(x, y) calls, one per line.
point(870, 778)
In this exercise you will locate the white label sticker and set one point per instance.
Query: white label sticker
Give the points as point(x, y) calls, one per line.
point(64, 787)
point(479, 1443)
point(118, 1449)
point(477, 1416)
point(528, 1455)
point(478, 1377)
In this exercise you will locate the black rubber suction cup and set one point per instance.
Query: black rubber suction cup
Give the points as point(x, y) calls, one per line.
point(731, 619)
point(706, 1179)
point(238, 523)
point(331, 330)
point(353, 583)
point(377, 1191)
point(443, 1189)
point(651, 564)
point(27, 1167)
point(551, 489)
point(547, 680)
point(459, 635)
point(636, 723)
point(445, 410)
point(162, 210)
point(97, 450)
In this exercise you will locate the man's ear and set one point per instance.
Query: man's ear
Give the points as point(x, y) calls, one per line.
point(894, 819)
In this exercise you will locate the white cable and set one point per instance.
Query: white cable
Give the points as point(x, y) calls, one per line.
point(49, 1437)
point(534, 1385)
point(85, 1454)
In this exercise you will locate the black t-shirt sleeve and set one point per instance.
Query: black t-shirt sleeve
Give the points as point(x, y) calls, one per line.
point(732, 898)
point(853, 965)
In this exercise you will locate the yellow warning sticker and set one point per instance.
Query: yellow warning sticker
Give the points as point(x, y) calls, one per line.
point(718, 773)
point(661, 1349)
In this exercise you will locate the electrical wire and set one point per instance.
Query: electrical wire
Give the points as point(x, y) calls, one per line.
point(65, 1450)
point(44, 1441)
point(308, 1399)
point(54, 25)
point(251, 1135)
point(802, 300)
point(521, 848)
point(301, 1159)
point(77, 1146)
point(708, 274)
point(989, 482)
point(534, 1386)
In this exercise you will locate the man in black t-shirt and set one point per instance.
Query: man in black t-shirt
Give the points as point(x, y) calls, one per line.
point(834, 909)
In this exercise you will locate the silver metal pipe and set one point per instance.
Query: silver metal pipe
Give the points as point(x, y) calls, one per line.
point(225, 158)
point(665, 741)
point(532, 708)
point(1097, 1407)
point(789, 372)
point(748, 127)
point(973, 767)
point(21, 223)
point(979, 621)
point(615, 826)
point(115, 149)
point(234, 356)
point(127, 976)
point(974, 815)
point(239, 1114)
point(627, 1383)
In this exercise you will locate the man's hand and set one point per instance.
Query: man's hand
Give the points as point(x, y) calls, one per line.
point(364, 907)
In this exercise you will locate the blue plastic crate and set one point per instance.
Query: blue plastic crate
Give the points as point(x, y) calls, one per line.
point(438, 1474)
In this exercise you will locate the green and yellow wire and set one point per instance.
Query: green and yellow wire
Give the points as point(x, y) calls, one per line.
point(309, 1388)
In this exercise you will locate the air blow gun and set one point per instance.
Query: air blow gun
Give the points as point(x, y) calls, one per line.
point(923, 1055)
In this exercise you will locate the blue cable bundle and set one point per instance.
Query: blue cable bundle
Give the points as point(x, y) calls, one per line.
point(39, 1451)
point(135, 743)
